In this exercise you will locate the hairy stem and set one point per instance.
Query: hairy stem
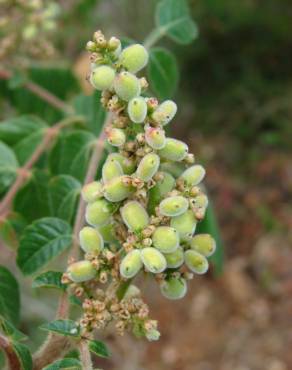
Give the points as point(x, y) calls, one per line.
point(41, 92)
point(85, 355)
point(153, 37)
point(12, 358)
point(23, 172)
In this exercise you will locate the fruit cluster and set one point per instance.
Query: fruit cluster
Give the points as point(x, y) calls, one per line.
point(142, 214)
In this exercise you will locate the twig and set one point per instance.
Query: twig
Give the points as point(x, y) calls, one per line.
point(41, 92)
point(23, 172)
point(12, 358)
point(85, 355)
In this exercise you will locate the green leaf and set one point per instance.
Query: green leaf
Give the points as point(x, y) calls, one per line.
point(49, 279)
point(23, 355)
point(173, 19)
point(32, 200)
point(18, 79)
point(63, 327)
point(99, 348)
point(10, 331)
point(41, 241)
point(25, 147)
point(210, 226)
point(63, 195)
point(75, 300)
point(8, 167)
point(91, 108)
point(9, 296)
point(66, 363)
point(162, 72)
point(15, 129)
point(71, 153)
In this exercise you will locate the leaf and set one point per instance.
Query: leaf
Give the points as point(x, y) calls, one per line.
point(66, 363)
point(8, 167)
point(9, 296)
point(71, 153)
point(23, 355)
point(49, 279)
point(63, 327)
point(32, 200)
point(99, 348)
point(173, 19)
point(10, 331)
point(43, 240)
point(162, 72)
point(75, 300)
point(15, 129)
point(25, 147)
point(91, 108)
point(63, 195)
point(8, 234)
point(209, 225)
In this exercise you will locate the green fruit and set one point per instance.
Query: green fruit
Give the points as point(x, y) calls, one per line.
point(102, 77)
point(194, 175)
point(137, 109)
point(92, 191)
point(107, 233)
point(173, 206)
point(131, 264)
point(196, 262)
point(132, 292)
point(166, 239)
point(148, 167)
point(204, 244)
point(111, 169)
point(134, 216)
point(155, 137)
point(174, 150)
point(90, 240)
point(134, 58)
point(165, 112)
point(127, 86)
point(175, 169)
point(166, 184)
point(128, 166)
point(98, 213)
point(173, 288)
point(175, 259)
point(185, 224)
point(152, 335)
point(199, 204)
point(115, 190)
point(81, 271)
point(116, 137)
point(153, 260)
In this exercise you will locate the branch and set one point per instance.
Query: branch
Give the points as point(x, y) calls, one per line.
point(85, 356)
point(10, 354)
point(41, 92)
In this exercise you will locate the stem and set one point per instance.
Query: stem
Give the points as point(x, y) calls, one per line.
point(85, 355)
point(41, 92)
point(24, 170)
point(12, 358)
point(153, 37)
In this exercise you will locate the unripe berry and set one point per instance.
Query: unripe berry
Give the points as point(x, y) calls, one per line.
point(128, 166)
point(134, 58)
point(152, 335)
point(111, 169)
point(196, 262)
point(166, 239)
point(131, 264)
point(116, 189)
point(81, 271)
point(90, 240)
point(173, 206)
point(116, 136)
point(127, 86)
point(194, 175)
point(134, 216)
point(174, 168)
point(102, 77)
point(148, 167)
point(98, 213)
point(175, 259)
point(92, 191)
point(204, 244)
point(132, 292)
point(199, 205)
point(174, 288)
point(174, 150)
point(107, 233)
point(153, 260)
point(165, 185)
point(113, 43)
point(185, 224)
point(165, 112)
point(137, 109)
point(155, 137)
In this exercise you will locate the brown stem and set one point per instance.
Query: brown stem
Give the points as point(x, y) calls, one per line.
point(85, 356)
point(12, 358)
point(41, 92)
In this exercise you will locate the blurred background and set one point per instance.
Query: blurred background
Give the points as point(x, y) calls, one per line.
point(235, 112)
